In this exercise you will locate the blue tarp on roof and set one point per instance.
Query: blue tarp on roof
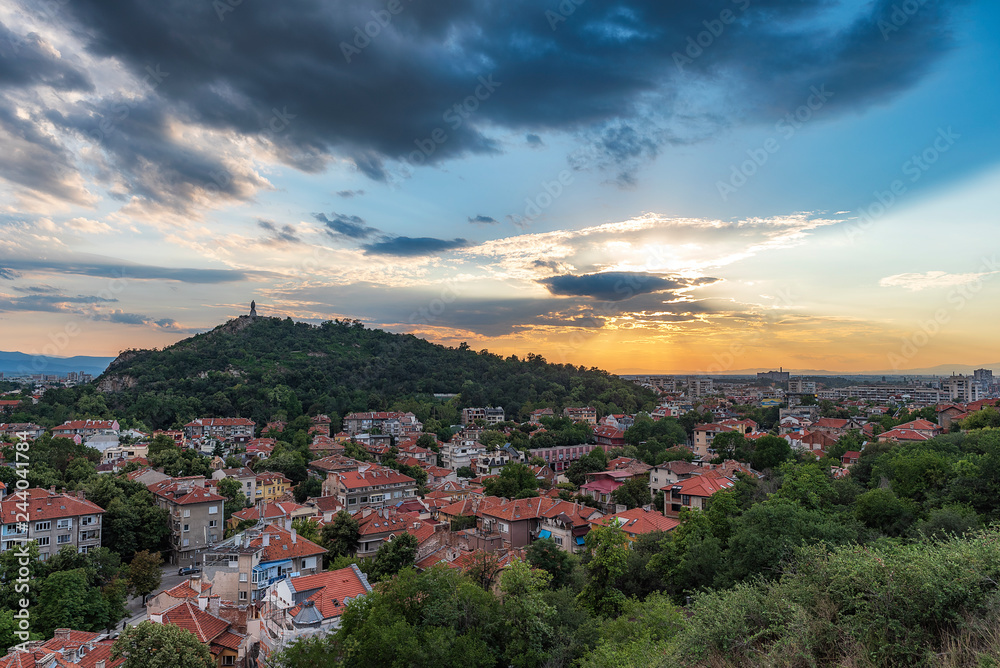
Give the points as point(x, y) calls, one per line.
point(579, 540)
point(544, 533)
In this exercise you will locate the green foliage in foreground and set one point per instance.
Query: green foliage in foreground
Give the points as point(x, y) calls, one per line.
point(928, 603)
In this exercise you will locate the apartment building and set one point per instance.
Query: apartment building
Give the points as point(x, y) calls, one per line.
point(461, 451)
point(54, 521)
point(376, 487)
point(196, 517)
point(585, 414)
point(236, 430)
point(245, 565)
point(963, 389)
point(489, 415)
point(86, 428)
point(395, 424)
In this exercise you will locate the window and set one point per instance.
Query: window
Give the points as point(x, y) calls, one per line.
point(63, 539)
point(187, 542)
point(213, 510)
point(243, 596)
point(229, 659)
point(504, 527)
point(211, 538)
point(558, 540)
point(87, 521)
point(243, 577)
point(42, 541)
point(43, 526)
point(64, 524)
point(213, 523)
point(186, 513)
point(187, 527)
point(309, 562)
point(685, 500)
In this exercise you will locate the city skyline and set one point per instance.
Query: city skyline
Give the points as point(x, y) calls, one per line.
point(638, 188)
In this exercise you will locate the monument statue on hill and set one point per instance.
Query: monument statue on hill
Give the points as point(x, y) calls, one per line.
point(253, 309)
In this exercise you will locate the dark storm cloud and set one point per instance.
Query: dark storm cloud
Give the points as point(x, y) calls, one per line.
point(413, 246)
point(352, 227)
point(615, 285)
point(107, 268)
point(483, 220)
point(607, 73)
point(26, 59)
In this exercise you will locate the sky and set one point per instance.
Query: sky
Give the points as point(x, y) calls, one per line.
point(641, 186)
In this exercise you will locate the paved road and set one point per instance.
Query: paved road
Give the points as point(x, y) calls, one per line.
point(169, 579)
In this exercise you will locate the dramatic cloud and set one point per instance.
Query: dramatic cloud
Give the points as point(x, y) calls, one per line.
point(107, 268)
point(413, 247)
point(353, 227)
point(931, 279)
point(272, 78)
point(483, 220)
point(51, 303)
point(8, 274)
point(616, 285)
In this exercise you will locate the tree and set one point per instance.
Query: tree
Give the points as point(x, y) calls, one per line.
point(144, 573)
point(465, 472)
point(545, 554)
point(308, 528)
point(592, 462)
point(608, 548)
point(483, 568)
point(513, 478)
point(769, 452)
point(66, 600)
point(881, 509)
point(308, 488)
point(633, 493)
point(150, 645)
point(528, 617)
point(393, 556)
point(341, 537)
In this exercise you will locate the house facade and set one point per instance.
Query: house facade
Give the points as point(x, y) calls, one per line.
point(54, 521)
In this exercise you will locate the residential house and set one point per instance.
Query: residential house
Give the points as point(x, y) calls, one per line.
point(67, 649)
point(388, 423)
point(946, 414)
point(538, 414)
point(271, 486)
point(54, 521)
point(307, 605)
point(609, 437)
point(694, 493)
point(902, 435)
point(601, 485)
point(242, 475)
point(703, 436)
point(461, 451)
point(269, 513)
point(260, 448)
point(669, 473)
point(566, 524)
point(22, 431)
point(324, 446)
point(490, 463)
point(196, 515)
point(850, 457)
point(924, 427)
point(380, 525)
point(243, 566)
point(334, 464)
point(227, 646)
point(639, 521)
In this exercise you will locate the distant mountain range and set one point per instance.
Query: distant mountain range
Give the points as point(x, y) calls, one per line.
point(939, 370)
point(15, 363)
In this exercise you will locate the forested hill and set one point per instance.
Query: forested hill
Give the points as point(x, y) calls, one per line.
point(263, 368)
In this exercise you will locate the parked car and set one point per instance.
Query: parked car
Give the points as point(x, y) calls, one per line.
point(188, 570)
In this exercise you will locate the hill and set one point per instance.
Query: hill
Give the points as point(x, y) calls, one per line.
point(16, 364)
point(263, 368)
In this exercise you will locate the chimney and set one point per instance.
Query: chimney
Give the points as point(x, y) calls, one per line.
point(62, 634)
point(288, 524)
point(52, 489)
point(99, 663)
point(203, 602)
point(293, 536)
point(266, 540)
point(213, 604)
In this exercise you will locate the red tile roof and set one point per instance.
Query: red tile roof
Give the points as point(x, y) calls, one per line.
point(182, 491)
point(42, 505)
point(280, 545)
point(204, 625)
point(331, 589)
point(375, 476)
point(704, 485)
point(638, 521)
